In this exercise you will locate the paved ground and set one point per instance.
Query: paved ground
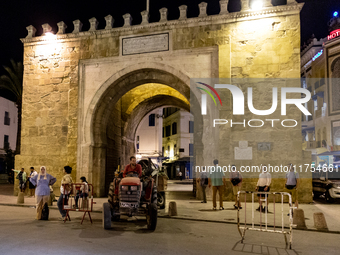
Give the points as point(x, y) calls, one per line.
point(190, 208)
point(178, 185)
point(21, 234)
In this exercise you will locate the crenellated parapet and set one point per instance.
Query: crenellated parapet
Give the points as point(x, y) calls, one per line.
point(248, 11)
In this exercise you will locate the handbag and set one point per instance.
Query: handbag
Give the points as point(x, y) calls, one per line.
point(45, 212)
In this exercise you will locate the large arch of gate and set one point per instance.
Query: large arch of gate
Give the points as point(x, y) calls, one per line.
point(93, 133)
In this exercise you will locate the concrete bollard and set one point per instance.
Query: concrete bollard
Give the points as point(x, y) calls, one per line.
point(21, 198)
point(172, 209)
point(299, 219)
point(320, 221)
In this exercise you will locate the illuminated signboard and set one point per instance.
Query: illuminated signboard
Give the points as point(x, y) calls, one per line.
point(334, 34)
point(317, 55)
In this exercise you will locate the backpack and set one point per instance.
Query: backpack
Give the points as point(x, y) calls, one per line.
point(235, 181)
point(45, 212)
point(206, 181)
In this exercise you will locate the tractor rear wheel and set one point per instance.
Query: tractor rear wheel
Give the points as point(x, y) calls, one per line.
point(151, 217)
point(106, 216)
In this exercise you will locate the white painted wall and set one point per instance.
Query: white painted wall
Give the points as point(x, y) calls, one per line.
point(182, 139)
point(11, 130)
point(150, 138)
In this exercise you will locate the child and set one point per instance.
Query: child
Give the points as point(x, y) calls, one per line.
point(83, 192)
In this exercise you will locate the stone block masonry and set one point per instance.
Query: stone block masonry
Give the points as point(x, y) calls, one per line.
point(67, 74)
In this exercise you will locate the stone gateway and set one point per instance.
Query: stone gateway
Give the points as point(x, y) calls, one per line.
point(86, 92)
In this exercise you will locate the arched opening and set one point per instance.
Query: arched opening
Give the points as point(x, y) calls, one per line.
point(108, 133)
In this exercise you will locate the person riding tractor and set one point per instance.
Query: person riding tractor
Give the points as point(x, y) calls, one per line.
point(132, 193)
point(133, 167)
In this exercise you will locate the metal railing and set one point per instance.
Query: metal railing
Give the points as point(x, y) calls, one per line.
point(264, 226)
point(81, 204)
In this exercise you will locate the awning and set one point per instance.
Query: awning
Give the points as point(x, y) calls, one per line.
point(330, 153)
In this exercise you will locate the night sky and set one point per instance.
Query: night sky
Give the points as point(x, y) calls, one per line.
point(16, 15)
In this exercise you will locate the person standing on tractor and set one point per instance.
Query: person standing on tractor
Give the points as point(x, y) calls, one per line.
point(133, 167)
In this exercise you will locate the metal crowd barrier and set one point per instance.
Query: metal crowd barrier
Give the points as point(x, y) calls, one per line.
point(263, 226)
point(85, 204)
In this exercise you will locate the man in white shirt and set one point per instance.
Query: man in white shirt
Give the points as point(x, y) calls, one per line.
point(263, 185)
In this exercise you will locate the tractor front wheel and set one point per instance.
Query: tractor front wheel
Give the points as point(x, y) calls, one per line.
point(106, 216)
point(151, 217)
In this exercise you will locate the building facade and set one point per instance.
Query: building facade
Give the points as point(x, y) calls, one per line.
point(8, 128)
point(320, 72)
point(178, 144)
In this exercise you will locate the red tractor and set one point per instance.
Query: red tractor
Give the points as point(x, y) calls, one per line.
point(131, 196)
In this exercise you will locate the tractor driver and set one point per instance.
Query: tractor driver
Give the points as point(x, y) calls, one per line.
point(133, 167)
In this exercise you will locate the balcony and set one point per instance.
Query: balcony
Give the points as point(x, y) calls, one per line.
point(313, 144)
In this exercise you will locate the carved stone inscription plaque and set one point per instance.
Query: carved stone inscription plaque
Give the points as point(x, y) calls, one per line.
point(145, 44)
point(243, 152)
point(263, 146)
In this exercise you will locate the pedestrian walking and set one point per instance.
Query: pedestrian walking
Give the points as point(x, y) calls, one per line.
point(203, 181)
point(180, 175)
point(187, 174)
point(217, 181)
point(263, 185)
point(83, 192)
point(65, 191)
point(22, 177)
point(236, 181)
point(42, 182)
point(30, 184)
point(292, 183)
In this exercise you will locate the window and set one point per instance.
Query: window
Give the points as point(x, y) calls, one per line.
point(7, 121)
point(181, 149)
point(175, 149)
point(6, 143)
point(191, 127)
point(167, 131)
point(322, 82)
point(137, 143)
point(191, 149)
point(163, 132)
point(174, 128)
point(163, 151)
point(151, 120)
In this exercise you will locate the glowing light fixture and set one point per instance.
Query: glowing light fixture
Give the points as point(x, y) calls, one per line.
point(49, 35)
point(335, 14)
point(257, 5)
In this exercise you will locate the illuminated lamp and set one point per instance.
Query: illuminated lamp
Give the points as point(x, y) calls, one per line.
point(256, 5)
point(335, 14)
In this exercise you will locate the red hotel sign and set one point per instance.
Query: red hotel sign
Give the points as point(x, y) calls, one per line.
point(334, 34)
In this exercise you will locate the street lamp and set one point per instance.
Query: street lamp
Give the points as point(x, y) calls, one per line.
point(257, 5)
